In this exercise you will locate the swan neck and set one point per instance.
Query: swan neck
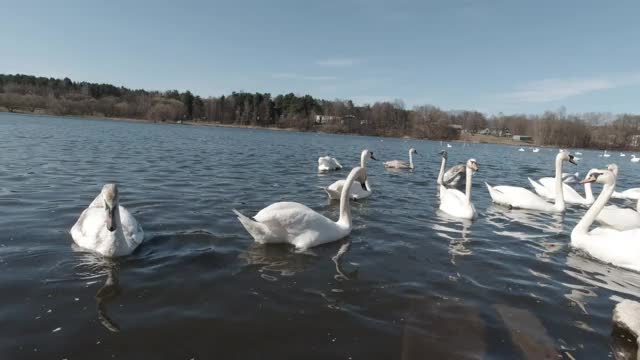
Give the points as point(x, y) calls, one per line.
point(638, 206)
point(443, 164)
point(345, 208)
point(468, 185)
point(559, 204)
point(594, 210)
point(363, 160)
point(410, 160)
point(588, 193)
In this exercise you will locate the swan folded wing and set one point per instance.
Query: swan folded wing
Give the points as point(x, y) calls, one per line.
point(518, 197)
point(454, 175)
point(618, 218)
point(398, 164)
point(541, 189)
point(569, 193)
point(89, 231)
point(620, 248)
point(133, 234)
point(299, 225)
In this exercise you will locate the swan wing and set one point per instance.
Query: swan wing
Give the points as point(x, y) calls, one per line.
point(571, 196)
point(335, 190)
point(396, 164)
point(455, 175)
point(540, 189)
point(133, 234)
point(518, 197)
point(299, 225)
point(620, 248)
point(619, 219)
point(454, 203)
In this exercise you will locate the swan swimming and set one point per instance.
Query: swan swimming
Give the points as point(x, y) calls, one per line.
point(535, 150)
point(620, 248)
point(296, 224)
point(518, 197)
point(634, 158)
point(399, 164)
point(521, 150)
point(356, 192)
point(453, 201)
point(106, 227)
point(448, 145)
point(327, 163)
point(455, 176)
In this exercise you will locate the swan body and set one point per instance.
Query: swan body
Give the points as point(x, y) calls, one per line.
point(521, 149)
point(357, 191)
point(521, 198)
point(578, 153)
point(619, 218)
point(606, 154)
point(535, 150)
point(453, 201)
point(448, 145)
point(545, 187)
point(106, 227)
point(620, 248)
point(622, 155)
point(635, 159)
point(630, 194)
point(296, 224)
point(327, 163)
point(399, 164)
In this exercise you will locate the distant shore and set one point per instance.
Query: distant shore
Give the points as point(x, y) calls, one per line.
point(466, 137)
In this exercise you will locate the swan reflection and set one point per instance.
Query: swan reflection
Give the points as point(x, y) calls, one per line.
point(94, 266)
point(458, 237)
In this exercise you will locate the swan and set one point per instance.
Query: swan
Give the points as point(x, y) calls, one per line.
point(634, 158)
point(578, 153)
point(448, 145)
point(106, 227)
point(630, 194)
point(356, 192)
point(399, 164)
point(296, 224)
point(327, 163)
point(535, 150)
point(454, 177)
point(620, 248)
point(518, 197)
point(622, 155)
point(521, 149)
point(620, 218)
point(453, 201)
point(571, 178)
point(545, 187)
point(606, 154)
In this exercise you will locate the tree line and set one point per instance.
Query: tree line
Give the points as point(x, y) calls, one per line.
point(306, 113)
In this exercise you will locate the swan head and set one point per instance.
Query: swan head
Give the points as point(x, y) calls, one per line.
point(600, 176)
point(444, 154)
point(613, 168)
point(565, 156)
point(413, 151)
point(367, 154)
point(110, 197)
point(472, 165)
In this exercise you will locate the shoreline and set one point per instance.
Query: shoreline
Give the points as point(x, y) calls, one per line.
point(479, 139)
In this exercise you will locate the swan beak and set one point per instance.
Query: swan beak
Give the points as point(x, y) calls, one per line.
point(571, 160)
point(111, 225)
point(589, 179)
point(373, 158)
point(364, 186)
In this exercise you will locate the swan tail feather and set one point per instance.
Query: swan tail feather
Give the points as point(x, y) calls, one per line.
point(260, 232)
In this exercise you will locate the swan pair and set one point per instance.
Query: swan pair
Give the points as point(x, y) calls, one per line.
point(618, 247)
point(356, 191)
point(453, 201)
point(545, 187)
point(296, 224)
point(455, 176)
point(521, 198)
point(106, 227)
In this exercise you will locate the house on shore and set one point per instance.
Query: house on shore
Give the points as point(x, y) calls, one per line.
point(522, 138)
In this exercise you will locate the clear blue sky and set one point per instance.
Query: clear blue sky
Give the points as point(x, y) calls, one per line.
point(509, 56)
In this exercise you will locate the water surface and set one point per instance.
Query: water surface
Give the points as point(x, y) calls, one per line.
point(410, 283)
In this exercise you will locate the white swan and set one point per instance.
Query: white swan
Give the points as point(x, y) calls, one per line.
point(606, 154)
point(578, 153)
point(535, 150)
point(356, 192)
point(630, 194)
point(518, 197)
point(454, 177)
point(453, 201)
point(296, 224)
point(521, 149)
point(106, 227)
point(399, 164)
point(634, 158)
point(620, 248)
point(448, 145)
point(620, 218)
point(327, 163)
point(622, 155)
point(545, 187)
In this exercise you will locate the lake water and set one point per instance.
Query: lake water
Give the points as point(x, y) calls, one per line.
point(412, 284)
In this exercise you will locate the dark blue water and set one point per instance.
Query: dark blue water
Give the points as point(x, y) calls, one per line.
point(412, 284)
